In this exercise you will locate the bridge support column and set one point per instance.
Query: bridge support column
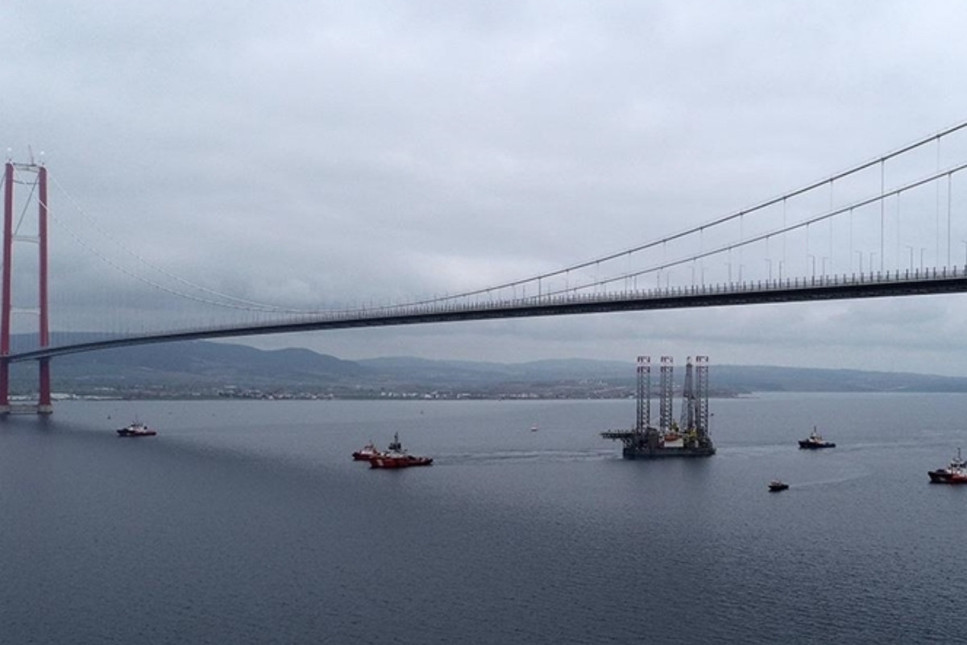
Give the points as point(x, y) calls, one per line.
point(4, 386)
point(5, 288)
point(6, 303)
point(44, 405)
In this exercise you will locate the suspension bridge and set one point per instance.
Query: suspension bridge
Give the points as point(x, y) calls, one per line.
point(895, 225)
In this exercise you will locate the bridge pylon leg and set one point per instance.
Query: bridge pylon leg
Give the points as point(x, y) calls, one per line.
point(44, 405)
point(5, 282)
point(4, 385)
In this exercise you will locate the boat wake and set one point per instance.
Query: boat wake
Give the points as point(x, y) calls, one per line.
point(524, 456)
point(832, 481)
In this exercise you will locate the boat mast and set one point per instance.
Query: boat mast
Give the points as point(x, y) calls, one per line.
point(687, 422)
point(665, 402)
point(701, 395)
point(644, 394)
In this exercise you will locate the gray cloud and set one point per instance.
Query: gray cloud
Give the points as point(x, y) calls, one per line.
point(329, 153)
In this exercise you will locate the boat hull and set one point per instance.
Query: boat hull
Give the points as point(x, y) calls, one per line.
point(666, 452)
point(651, 445)
point(136, 429)
point(124, 432)
point(946, 477)
point(806, 444)
point(405, 461)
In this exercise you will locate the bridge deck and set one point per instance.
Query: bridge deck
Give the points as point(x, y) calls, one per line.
point(889, 284)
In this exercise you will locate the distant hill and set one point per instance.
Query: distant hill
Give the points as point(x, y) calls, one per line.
point(201, 362)
point(727, 378)
point(801, 379)
point(201, 368)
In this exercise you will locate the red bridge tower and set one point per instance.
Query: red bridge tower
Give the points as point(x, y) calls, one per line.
point(6, 303)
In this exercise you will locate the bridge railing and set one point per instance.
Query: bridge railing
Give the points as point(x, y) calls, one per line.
point(680, 291)
point(787, 289)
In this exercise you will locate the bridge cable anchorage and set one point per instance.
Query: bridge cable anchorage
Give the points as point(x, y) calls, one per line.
point(252, 305)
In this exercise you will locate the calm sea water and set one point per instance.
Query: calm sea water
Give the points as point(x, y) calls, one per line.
point(247, 522)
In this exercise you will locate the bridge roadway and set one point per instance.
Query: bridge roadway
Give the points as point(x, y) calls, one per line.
point(836, 287)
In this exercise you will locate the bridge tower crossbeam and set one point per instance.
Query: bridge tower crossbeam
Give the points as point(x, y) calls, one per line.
point(44, 404)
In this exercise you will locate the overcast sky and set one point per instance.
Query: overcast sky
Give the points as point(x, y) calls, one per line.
point(328, 153)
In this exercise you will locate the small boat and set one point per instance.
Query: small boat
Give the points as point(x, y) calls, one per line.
point(955, 473)
point(399, 460)
point(396, 457)
point(775, 486)
point(672, 434)
point(534, 428)
point(672, 439)
point(136, 429)
point(366, 453)
point(814, 441)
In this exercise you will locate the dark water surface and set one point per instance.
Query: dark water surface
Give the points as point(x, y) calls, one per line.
point(247, 522)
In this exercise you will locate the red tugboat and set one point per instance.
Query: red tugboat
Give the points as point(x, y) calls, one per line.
point(955, 473)
point(136, 429)
point(814, 441)
point(366, 453)
point(396, 457)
